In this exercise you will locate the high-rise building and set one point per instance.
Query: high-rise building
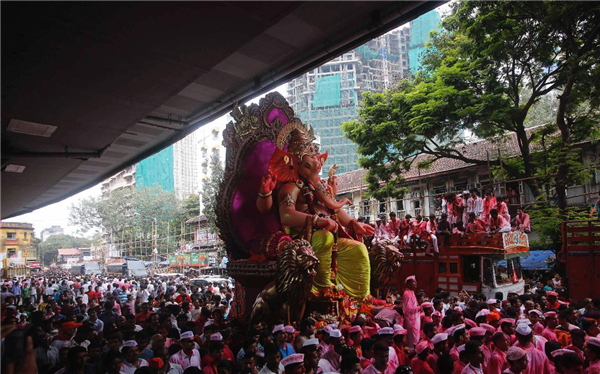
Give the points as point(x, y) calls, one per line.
point(185, 167)
point(209, 142)
point(420, 31)
point(330, 95)
point(172, 169)
point(53, 230)
point(123, 179)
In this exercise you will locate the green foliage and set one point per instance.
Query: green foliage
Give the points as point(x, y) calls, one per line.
point(128, 215)
point(546, 222)
point(496, 70)
point(210, 191)
point(48, 249)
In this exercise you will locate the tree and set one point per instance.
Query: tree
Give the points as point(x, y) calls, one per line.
point(483, 75)
point(129, 216)
point(49, 248)
point(210, 190)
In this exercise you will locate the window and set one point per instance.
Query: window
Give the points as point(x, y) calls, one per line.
point(366, 208)
point(471, 269)
point(399, 204)
point(11, 235)
point(25, 235)
point(11, 252)
point(503, 271)
point(442, 268)
point(382, 206)
point(454, 268)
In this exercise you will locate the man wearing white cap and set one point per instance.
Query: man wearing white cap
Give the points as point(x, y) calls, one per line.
point(440, 343)
point(412, 310)
point(280, 336)
point(188, 356)
point(592, 352)
point(294, 364)
point(131, 360)
point(386, 336)
point(517, 359)
point(538, 361)
point(324, 344)
point(331, 360)
point(312, 355)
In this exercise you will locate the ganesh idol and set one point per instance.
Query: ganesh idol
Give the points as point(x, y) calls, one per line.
point(308, 210)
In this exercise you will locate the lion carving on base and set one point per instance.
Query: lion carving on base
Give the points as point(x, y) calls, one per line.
point(285, 298)
point(385, 260)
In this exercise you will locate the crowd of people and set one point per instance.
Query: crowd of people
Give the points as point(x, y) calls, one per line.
point(458, 215)
point(95, 325)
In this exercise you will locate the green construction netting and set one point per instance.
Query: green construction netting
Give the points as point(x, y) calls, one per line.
point(420, 29)
point(367, 53)
point(328, 91)
point(156, 170)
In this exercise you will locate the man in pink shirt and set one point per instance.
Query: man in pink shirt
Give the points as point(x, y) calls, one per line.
point(523, 222)
point(497, 363)
point(475, 225)
point(538, 361)
point(498, 223)
point(551, 323)
point(489, 202)
point(393, 225)
point(412, 318)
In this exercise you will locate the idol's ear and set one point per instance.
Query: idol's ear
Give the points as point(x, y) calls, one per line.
point(322, 158)
point(283, 166)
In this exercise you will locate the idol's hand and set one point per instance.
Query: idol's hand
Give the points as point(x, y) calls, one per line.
point(327, 224)
point(267, 183)
point(362, 228)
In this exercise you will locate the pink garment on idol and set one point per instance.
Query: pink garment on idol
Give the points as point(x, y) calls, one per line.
point(412, 318)
point(538, 361)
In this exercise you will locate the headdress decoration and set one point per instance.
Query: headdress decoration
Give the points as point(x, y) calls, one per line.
point(299, 141)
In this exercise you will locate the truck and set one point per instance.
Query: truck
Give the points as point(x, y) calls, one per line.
point(127, 267)
point(477, 263)
point(135, 269)
point(581, 254)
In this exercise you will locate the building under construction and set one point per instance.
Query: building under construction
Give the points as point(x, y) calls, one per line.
point(330, 95)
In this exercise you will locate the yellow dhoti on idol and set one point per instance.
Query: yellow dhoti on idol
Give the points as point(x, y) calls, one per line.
point(353, 268)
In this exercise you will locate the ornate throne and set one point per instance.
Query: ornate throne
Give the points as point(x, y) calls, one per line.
point(250, 141)
point(273, 273)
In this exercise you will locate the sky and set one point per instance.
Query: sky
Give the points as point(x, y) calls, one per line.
point(58, 213)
